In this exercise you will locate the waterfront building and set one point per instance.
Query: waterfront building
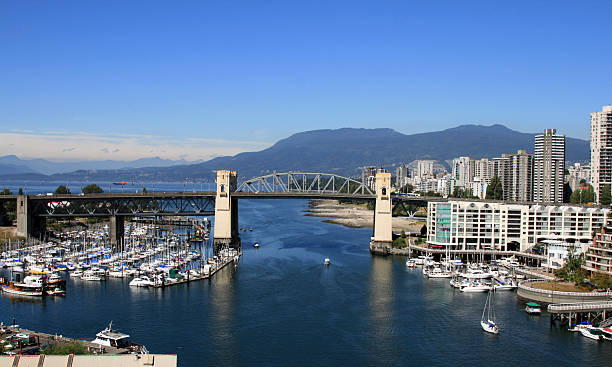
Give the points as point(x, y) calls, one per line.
point(463, 170)
point(515, 171)
point(549, 167)
point(599, 254)
point(577, 173)
point(468, 225)
point(601, 149)
point(557, 251)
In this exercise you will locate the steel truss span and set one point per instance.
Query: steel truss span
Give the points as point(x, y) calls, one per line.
point(124, 206)
point(307, 183)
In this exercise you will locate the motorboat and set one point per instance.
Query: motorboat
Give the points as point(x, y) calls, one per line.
point(488, 323)
point(142, 281)
point(533, 308)
point(256, 245)
point(327, 261)
point(116, 339)
point(91, 276)
point(76, 273)
point(592, 333)
point(474, 287)
point(410, 263)
point(437, 272)
point(31, 286)
point(505, 285)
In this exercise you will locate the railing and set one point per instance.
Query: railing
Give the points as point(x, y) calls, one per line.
point(587, 306)
point(534, 274)
point(524, 286)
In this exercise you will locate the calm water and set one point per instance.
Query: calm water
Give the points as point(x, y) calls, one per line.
point(282, 307)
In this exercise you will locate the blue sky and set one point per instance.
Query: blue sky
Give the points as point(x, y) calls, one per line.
point(129, 79)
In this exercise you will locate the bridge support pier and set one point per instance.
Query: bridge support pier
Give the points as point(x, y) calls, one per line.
point(382, 240)
point(226, 231)
point(117, 229)
point(28, 225)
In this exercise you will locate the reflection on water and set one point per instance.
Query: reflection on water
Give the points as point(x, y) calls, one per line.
point(380, 309)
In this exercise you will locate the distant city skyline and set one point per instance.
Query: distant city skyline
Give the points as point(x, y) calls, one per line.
point(196, 80)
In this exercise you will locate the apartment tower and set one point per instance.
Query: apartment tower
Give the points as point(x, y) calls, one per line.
point(549, 167)
point(601, 149)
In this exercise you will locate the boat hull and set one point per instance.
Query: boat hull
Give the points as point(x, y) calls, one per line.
point(10, 290)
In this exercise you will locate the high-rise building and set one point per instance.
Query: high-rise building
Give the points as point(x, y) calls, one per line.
point(368, 175)
point(515, 171)
point(601, 149)
point(463, 170)
point(483, 169)
point(425, 168)
point(577, 173)
point(549, 167)
point(401, 175)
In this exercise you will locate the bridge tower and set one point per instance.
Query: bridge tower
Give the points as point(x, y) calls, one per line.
point(380, 243)
point(226, 231)
point(28, 225)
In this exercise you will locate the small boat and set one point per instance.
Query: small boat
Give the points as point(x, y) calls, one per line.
point(505, 285)
point(533, 308)
point(76, 273)
point(56, 292)
point(256, 245)
point(327, 261)
point(592, 333)
point(91, 276)
point(142, 281)
point(410, 263)
point(488, 323)
point(474, 287)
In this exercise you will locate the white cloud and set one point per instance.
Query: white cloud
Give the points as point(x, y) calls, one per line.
point(61, 145)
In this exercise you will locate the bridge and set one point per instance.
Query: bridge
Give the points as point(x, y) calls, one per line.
point(33, 210)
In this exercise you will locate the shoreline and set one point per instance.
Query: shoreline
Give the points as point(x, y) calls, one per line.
point(356, 216)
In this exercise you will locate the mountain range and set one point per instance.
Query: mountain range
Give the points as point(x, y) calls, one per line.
point(340, 151)
point(11, 164)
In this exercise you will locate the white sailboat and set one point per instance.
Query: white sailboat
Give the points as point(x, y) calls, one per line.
point(488, 323)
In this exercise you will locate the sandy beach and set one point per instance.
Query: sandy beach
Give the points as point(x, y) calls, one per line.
point(355, 216)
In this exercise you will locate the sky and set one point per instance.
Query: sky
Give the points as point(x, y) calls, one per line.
point(198, 79)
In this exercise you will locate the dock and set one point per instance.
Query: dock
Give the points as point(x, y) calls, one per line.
point(217, 267)
point(574, 313)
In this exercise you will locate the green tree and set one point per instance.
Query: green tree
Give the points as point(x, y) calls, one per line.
point(604, 195)
point(20, 191)
point(144, 190)
point(495, 190)
point(92, 189)
point(62, 190)
point(583, 195)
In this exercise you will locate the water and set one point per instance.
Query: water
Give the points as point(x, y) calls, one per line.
point(282, 307)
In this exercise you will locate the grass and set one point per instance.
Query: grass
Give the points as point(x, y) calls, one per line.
point(65, 348)
point(559, 286)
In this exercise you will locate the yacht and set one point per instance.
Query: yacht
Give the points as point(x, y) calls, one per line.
point(91, 276)
point(142, 281)
point(505, 285)
point(76, 273)
point(113, 338)
point(474, 287)
point(31, 286)
point(437, 272)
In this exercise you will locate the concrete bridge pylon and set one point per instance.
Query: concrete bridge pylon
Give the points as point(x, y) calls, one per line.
point(381, 241)
point(226, 231)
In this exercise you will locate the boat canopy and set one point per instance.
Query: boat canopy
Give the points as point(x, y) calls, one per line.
point(532, 304)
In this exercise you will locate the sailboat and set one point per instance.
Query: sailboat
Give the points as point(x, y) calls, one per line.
point(488, 324)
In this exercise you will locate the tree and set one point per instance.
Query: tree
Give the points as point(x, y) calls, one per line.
point(582, 195)
point(460, 192)
point(604, 195)
point(144, 190)
point(92, 189)
point(62, 190)
point(20, 191)
point(495, 190)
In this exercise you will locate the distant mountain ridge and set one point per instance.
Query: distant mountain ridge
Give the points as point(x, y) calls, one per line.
point(343, 151)
point(11, 164)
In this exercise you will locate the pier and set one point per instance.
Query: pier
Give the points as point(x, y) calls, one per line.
point(575, 313)
point(213, 270)
point(526, 257)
